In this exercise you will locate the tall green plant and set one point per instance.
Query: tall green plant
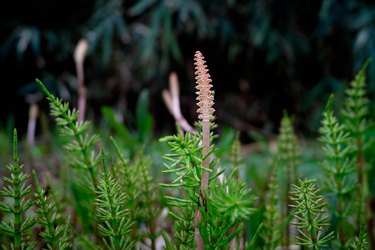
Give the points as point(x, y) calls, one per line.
point(355, 113)
point(287, 156)
point(220, 206)
point(17, 190)
point(186, 167)
point(311, 215)
point(272, 224)
point(55, 233)
point(82, 144)
point(112, 214)
point(339, 169)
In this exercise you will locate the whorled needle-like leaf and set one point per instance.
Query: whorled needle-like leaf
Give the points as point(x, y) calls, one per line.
point(55, 229)
point(17, 190)
point(82, 144)
point(312, 220)
point(112, 214)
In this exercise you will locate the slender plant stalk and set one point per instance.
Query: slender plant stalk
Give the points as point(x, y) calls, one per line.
point(235, 162)
point(79, 56)
point(288, 158)
point(115, 224)
point(356, 112)
point(205, 102)
point(337, 149)
point(31, 124)
point(67, 118)
point(171, 99)
point(271, 223)
point(17, 190)
point(55, 232)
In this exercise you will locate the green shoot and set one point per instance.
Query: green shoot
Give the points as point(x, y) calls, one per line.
point(17, 190)
point(310, 213)
point(55, 232)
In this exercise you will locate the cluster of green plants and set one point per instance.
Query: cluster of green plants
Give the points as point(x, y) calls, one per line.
point(107, 194)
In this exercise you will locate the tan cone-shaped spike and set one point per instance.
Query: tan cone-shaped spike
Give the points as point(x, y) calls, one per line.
point(205, 94)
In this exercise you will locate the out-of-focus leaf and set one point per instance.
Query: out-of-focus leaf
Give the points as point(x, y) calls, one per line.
point(141, 6)
point(35, 42)
point(120, 129)
point(145, 120)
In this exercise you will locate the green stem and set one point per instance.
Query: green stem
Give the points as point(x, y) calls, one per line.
point(339, 195)
point(17, 215)
point(310, 218)
point(76, 133)
point(17, 197)
point(204, 182)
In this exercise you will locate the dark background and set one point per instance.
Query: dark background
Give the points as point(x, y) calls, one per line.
point(264, 56)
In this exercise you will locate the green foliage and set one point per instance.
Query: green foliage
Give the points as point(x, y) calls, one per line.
point(224, 205)
point(185, 165)
point(311, 215)
point(185, 161)
point(82, 144)
point(243, 206)
point(339, 179)
point(115, 223)
point(17, 189)
point(356, 109)
point(271, 232)
point(287, 151)
point(55, 233)
point(287, 157)
point(184, 234)
point(227, 206)
point(355, 113)
point(360, 242)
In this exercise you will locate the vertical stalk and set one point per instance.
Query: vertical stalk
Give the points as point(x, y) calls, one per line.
point(205, 114)
point(79, 56)
point(17, 215)
point(339, 195)
point(287, 206)
point(17, 197)
point(206, 161)
point(313, 235)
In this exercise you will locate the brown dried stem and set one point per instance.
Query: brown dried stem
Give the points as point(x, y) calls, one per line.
point(79, 56)
point(171, 99)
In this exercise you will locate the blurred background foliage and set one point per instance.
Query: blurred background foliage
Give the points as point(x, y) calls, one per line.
point(264, 56)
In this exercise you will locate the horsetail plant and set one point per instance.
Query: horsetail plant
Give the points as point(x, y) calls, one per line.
point(136, 182)
point(339, 169)
point(205, 100)
point(191, 161)
point(112, 215)
point(186, 165)
point(82, 152)
point(235, 162)
point(311, 215)
point(360, 242)
point(55, 233)
point(210, 205)
point(220, 205)
point(228, 205)
point(82, 144)
point(287, 157)
point(143, 210)
point(271, 232)
point(355, 113)
point(17, 190)
point(235, 157)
